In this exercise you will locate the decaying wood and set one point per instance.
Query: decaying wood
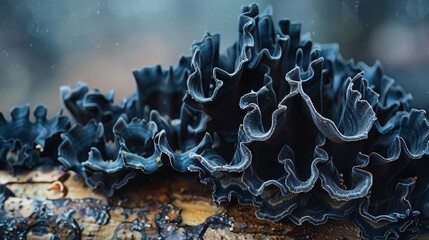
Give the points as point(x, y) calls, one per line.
point(52, 204)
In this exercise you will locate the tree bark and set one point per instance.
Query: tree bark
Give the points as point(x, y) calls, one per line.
point(52, 204)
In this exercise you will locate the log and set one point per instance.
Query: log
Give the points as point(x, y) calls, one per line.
point(53, 204)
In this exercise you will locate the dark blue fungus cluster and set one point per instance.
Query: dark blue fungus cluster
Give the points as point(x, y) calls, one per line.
point(277, 121)
point(303, 134)
point(111, 142)
point(25, 143)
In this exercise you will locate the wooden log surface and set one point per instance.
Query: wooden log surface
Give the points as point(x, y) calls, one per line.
point(52, 204)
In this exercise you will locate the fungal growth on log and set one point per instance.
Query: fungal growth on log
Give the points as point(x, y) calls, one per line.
point(277, 121)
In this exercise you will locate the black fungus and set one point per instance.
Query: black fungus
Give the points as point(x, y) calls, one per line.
point(25, 144)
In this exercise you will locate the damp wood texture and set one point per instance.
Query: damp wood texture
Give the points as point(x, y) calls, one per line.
point(53, 204)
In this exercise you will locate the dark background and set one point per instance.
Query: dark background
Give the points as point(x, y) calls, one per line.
point(46, 44)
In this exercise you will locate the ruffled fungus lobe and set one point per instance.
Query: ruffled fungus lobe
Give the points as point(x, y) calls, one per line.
point(25, 144)
point(277, 121)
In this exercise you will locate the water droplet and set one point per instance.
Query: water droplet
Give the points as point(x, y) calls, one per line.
point(117, 44)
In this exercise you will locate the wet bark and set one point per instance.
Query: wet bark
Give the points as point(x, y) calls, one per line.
point(52, 204)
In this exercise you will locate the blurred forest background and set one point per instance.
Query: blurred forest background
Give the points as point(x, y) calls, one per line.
point(49, 43)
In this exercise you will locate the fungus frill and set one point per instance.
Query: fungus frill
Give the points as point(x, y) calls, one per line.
point(25, 144)
point(278, 121)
